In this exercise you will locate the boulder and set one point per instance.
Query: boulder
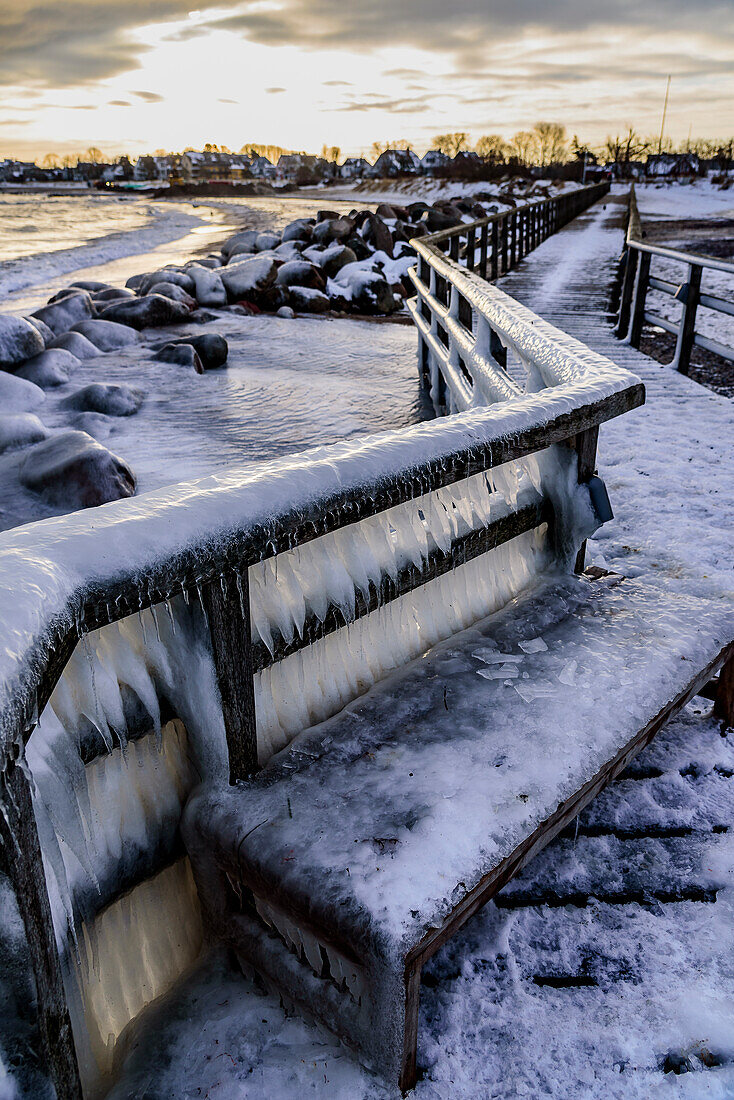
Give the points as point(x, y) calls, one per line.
point(313, 254)
point(174, 291)
point(77, 344)
point(285, 311)
point(211, 348)
point(203, 316)
point(300, 273)
point(111, 294)
point(306, 300)
point(266, 241)
point(135, 281)
point(272, 298)
point(335, 229)
point(166, 275)
point(19, 395)
point(62, 315)
point(291, 250)
point(379, 234)
point(108, 399)
point(208, 287)
point(326, 215)
point(183, 355)
point(248, 276)
point(244, 241)
point(104, 335)
point(211, 262)
point(51, 368)
point(90, 285)
point(299, 230)
point(437, 219)
point(150, 311)
point(370, 292)
point(335, 258)
point(19, 340)
point(20, 430)
point(416, 210)
point(361, 250)
point(46, 334)
point(72, 470)
point(384, 210)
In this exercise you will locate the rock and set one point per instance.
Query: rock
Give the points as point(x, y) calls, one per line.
point(183, 355)
point(104, 335)
point(380, 235)
point(272, 298)
point(208, 287)
point(111, 293)
point(361, 250)
point(372, 294)
point(134, 282)
point(244, 241)
point(46, 334)
point(313, 254)
point(291, 250)
point(335, 258)
point(335, 229)
point(62, 315)
point(108, 399)
point(20, 430)
point(416, 210)
point(436, 220)
point(306, 300)
point(384, 210)
point(211, 348)
point(299, 230)
point(211, 262)
point(300, 273)
point(51, 368)
point(19, 395)
point(166, 275)
point(175, 292)
point(19, 340)
point(150, 311)
point(248, 276)
point(72, 471)
point(77, 344)
point(326, 215)
point(91, 285)
point(285, 311)
point(203, 316)
point(266, 241)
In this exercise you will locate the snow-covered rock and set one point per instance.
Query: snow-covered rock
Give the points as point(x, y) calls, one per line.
point(19, 395)
point(164, 275)
point(265, 241)
point(104, 335)
point(300, 273)
point(174, 291)
point(182, 355)
point(208, 287)
point(150, 311)
point(49, 369)
point(335, 257)
point(240, 243)
point(112, 400)
point(77, 344)
point(72, 470)
point(46, 334)
point(20, 430)
point(306, 300)
point(19, 340)
point(248, 276)
point(65, 312)
point(211, 348)
point(333, 229)
point(299, 230)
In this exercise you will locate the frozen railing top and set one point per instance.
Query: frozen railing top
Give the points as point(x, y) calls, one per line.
point(61, 578)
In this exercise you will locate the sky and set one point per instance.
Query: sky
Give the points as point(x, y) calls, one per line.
point(134, 76)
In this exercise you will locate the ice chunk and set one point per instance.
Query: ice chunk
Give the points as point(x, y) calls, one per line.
point(533, 645)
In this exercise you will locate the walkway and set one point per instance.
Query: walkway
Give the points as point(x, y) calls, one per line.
point(611, 959)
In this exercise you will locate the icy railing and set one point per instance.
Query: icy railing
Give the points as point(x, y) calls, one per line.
point(191, 632)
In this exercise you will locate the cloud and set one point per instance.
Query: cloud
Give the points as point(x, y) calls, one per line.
point(274, 91)
point(119, 103)
point(227, 101)
point(404, 106)
point(149, 97)
point(14, 121)
point(338, 84)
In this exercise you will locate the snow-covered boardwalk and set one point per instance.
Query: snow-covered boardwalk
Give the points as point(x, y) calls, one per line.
point(609, 960)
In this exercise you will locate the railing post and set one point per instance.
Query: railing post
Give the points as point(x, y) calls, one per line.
point(484, 242)
point(227, 611)
point(513, 227)
point(495, 248)
point(638, 311)
point(21, 861)
point(454, 248)
point(470, 250)
point(628, 285)
point(687, 329)
point(585, 444)
point(504, 244)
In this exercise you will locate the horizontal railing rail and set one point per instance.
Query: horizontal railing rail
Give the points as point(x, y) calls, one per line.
point(62, 578)
point(638, 281)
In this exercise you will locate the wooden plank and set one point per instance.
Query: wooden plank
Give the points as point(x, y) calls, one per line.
point(228, 615)
point(21, 861)
point(586, 446)
point(687, 329)
point(409, 1070)
point(638, 309)
point(724, 702)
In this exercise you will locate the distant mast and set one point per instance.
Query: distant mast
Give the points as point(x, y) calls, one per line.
point(665, 111)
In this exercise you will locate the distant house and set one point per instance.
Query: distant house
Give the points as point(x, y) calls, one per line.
point(434, 160)
point(196, 167)
point(154, 168)
point(395, 162)
point(466, 162)
point(672, 165)
point(354, 168)
point(291, 164)
point(19, 171)
point(262, 168)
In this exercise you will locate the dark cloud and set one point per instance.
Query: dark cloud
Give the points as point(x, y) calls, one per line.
point(149, 97)
point(404, 106)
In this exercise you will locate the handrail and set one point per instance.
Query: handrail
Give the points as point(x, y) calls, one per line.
point(637, 281)
point(63, 577)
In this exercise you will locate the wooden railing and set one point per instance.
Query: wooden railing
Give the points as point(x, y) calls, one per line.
point(637, 281)
point(492, 246)
point(65, 577)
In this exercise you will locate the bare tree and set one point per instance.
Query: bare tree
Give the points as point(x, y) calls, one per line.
point(492, 147)
point(379, 147)
point(50, 161)
point(331, 153)
point(550, 142)
point(451, 144)
point(523, 146)
point(93, 155)
point(272, 152)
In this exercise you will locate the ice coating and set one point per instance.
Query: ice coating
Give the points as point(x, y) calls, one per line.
point(130, 955)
